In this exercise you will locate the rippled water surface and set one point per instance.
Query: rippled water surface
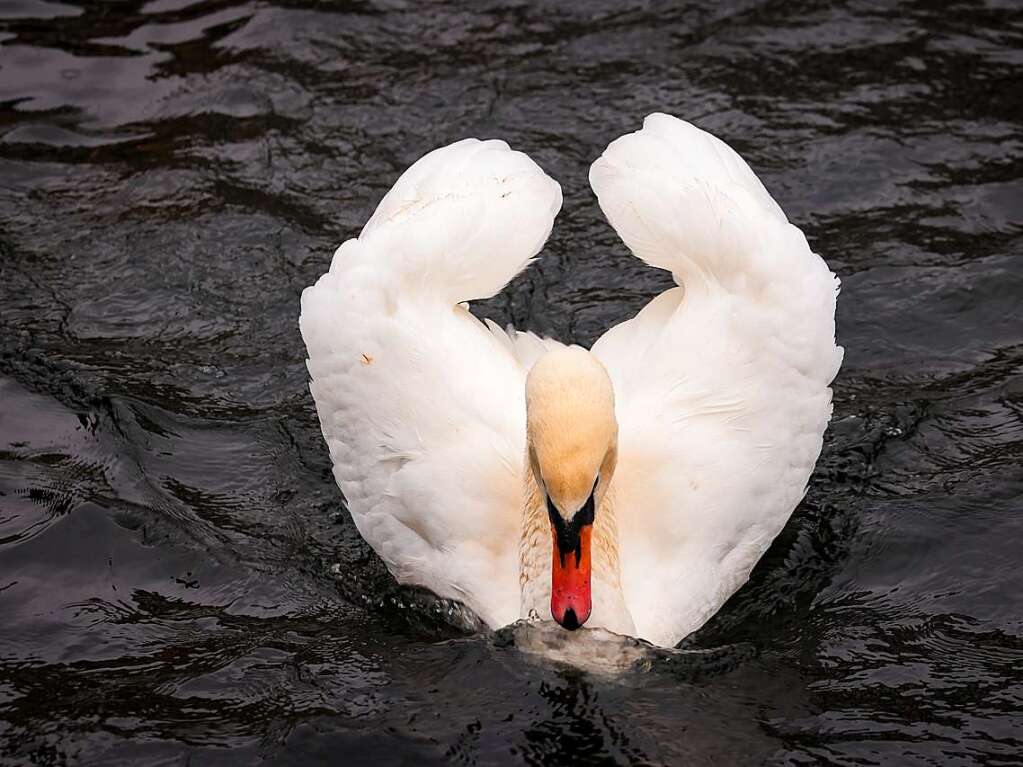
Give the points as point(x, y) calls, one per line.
point(179, 581)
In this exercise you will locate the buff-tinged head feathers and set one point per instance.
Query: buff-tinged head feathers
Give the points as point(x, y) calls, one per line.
point(572, 433)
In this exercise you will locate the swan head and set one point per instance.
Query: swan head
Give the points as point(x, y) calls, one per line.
point(572, 441)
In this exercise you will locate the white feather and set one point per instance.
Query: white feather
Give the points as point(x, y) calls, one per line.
point(421, 406)
point(721, 384)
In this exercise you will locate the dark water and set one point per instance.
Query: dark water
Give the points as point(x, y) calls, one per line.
point(179, 582)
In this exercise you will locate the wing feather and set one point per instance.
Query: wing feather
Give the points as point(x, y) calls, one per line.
point(721, 383)
point(421, 406)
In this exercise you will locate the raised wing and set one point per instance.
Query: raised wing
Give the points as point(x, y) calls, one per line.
point(721, 384)
point(422, 407)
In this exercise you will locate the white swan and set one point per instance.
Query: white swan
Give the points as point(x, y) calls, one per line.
point(631, 487)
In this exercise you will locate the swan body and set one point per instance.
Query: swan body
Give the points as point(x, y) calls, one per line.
point(471, 457)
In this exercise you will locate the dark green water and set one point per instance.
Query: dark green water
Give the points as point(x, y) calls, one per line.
point(179, 581)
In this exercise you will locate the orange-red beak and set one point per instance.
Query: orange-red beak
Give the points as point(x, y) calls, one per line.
point(570, 580)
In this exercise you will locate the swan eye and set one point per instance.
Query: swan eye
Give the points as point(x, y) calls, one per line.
point(552, 510)
point(585, 515)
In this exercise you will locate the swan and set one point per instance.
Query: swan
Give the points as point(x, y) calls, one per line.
point(631, 487)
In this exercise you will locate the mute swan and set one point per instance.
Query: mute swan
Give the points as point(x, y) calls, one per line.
point(630, 487)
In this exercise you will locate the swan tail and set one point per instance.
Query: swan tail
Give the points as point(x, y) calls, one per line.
point(459, 224)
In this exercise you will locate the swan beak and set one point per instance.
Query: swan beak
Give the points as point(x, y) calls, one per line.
point(570, 578)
